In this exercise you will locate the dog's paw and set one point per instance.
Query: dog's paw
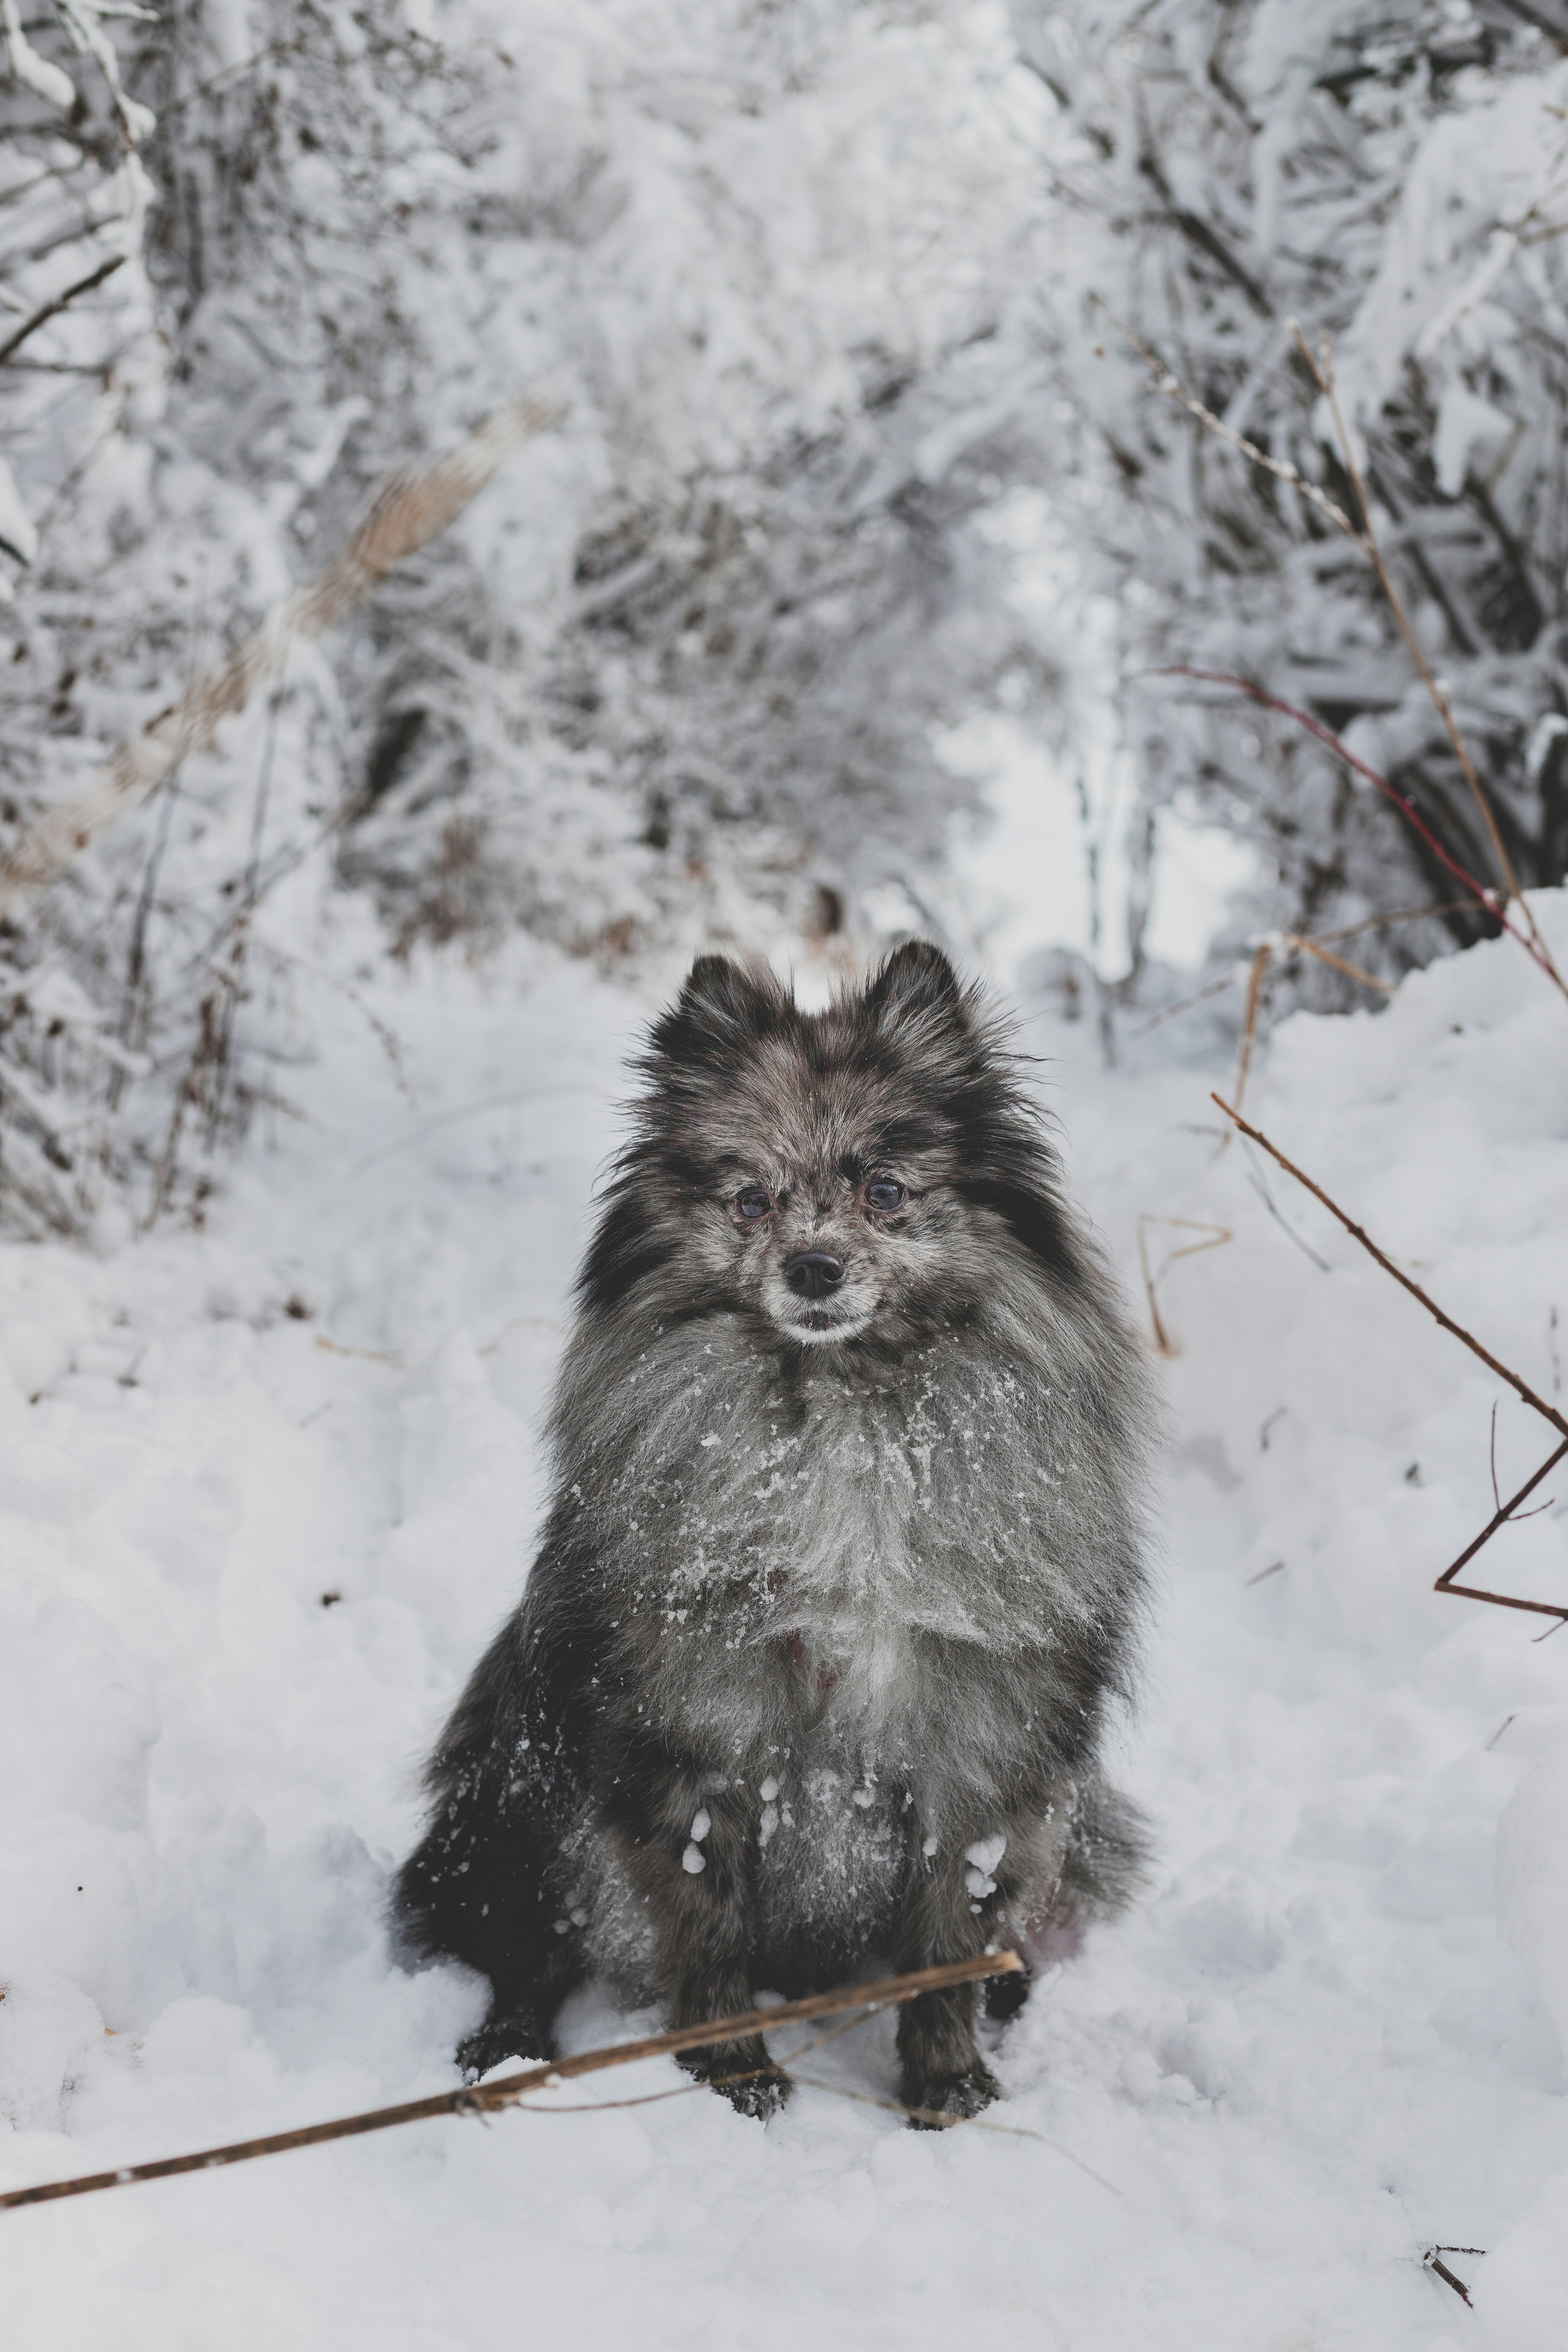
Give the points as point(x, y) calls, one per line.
point(958, 2095)
point(1006, 1996)
point(498, 2038)
point(763, 2096)
point(744, 2074)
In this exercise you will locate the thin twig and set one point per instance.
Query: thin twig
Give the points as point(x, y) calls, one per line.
point(936, 2119)
point(1171, 385)
point(711, 2081)
point(1327, 955)
point(1505, 1511)
point(1259, 1183)
point(1217, 1235)
point(1500, 1519)
point(1248, 1026)
point(485, 2098)
point(1431, 2260)
point(1314, 947)
point(51, 309)
point(1169, 1012)
point(369, 1355)
point(1521, 1388)
point(1400, 914)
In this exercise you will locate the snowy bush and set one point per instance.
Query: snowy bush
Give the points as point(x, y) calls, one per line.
point(1400, 181)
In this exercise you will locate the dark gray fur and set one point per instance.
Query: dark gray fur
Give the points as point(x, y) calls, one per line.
point(882, 1549)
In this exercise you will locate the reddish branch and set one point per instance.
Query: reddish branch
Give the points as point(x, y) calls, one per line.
point(488, 2098)
point(1485, 899)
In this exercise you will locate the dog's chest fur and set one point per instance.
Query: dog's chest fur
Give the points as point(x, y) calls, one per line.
point(759, 1495)
point(801, 1557)
point(857, 1591)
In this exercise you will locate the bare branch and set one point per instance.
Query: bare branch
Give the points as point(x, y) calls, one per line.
point(1521, 1388)
point(1501, 1517)
point(59, 302)
point(1505, 1511)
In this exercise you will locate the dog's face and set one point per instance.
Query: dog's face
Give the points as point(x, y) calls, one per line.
point(866, 1172)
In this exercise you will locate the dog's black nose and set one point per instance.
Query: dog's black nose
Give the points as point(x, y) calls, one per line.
point(811, 1273)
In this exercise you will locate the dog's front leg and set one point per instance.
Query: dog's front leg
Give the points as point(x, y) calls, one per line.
point(953, 1905)
point(693, 1862)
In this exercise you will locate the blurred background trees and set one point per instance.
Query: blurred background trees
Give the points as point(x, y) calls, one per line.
point(850, 456)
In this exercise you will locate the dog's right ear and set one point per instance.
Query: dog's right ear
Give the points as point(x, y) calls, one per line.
point(917, 985)
point(722, 1008)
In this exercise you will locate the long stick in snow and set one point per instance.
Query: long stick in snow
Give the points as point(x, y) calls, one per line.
point(408, 511)
point(489, 2098)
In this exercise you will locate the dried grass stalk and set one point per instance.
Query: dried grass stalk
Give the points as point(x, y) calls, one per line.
point(1215, 1238)
point(408, 510)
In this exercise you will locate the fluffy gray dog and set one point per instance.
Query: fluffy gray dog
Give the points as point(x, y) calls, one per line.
point(813, 1668)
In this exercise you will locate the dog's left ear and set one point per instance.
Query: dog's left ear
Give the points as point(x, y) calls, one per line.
point(918, 984)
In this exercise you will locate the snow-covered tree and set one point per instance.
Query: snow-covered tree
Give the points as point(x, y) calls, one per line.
point(683, 671)
point(1399, 180)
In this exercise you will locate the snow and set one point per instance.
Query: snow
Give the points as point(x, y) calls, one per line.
point(251, 1552)
point(983, 1856)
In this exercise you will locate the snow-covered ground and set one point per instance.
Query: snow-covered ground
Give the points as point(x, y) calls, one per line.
point(250, 1551)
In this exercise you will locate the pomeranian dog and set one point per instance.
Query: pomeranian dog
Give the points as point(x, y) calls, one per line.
point(814, 1666)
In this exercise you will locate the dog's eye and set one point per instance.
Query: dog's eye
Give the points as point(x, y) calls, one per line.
point(885, 1195)
point(752, 1204)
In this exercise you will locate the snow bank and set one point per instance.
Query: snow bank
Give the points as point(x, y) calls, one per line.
point(246, 1572)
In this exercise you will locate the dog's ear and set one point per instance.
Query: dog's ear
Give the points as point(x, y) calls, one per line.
point(917, 986)
point(722, 1008)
